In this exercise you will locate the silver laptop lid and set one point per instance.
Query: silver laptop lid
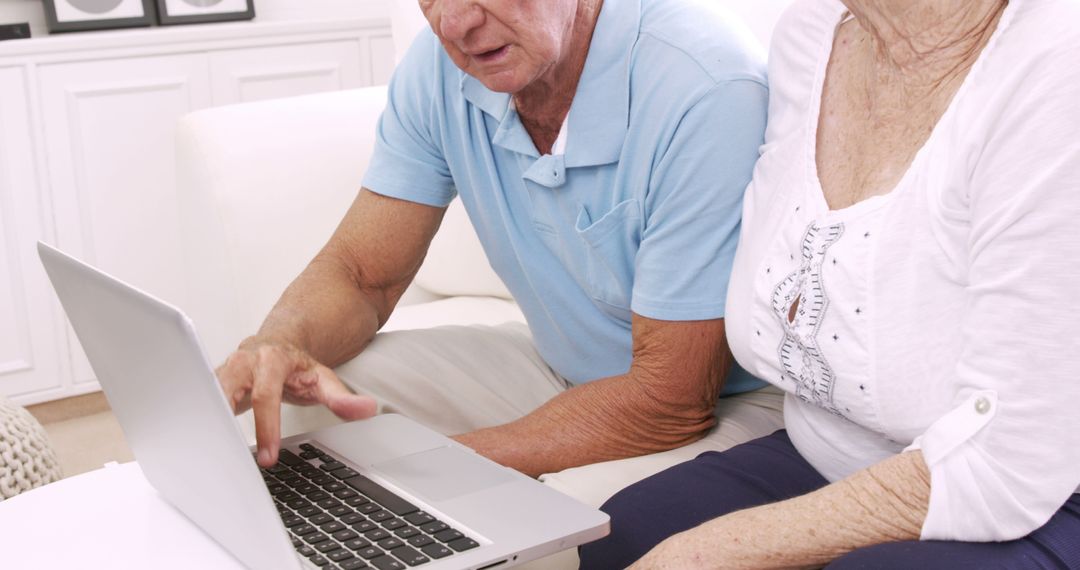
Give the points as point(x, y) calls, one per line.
point(164, 393)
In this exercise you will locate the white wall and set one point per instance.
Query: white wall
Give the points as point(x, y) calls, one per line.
point(33, 11)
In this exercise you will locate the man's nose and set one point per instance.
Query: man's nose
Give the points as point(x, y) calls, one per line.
point(458, 18)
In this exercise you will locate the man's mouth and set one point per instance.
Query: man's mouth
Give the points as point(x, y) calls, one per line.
point(491, 55)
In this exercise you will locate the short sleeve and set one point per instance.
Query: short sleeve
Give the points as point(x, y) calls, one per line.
point(694, 206)
point(408, 161)
point(1007, 457)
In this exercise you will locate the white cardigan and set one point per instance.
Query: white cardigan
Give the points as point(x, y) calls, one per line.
point(943, 315)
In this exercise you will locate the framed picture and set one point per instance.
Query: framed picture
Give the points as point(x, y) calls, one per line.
point(81, 15)
point(196, 11)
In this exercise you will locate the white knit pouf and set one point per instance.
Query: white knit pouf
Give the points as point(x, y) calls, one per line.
point(26, 458)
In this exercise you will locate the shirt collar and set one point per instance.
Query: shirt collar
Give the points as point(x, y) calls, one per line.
point(600, 113)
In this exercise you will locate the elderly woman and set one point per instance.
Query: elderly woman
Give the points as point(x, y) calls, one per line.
point(907, 273)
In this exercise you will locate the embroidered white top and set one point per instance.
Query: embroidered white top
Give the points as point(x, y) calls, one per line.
point(941, 316)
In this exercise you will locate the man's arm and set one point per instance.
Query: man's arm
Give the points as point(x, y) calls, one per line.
point(328, 315)
point(664, 401)
point(886, 502)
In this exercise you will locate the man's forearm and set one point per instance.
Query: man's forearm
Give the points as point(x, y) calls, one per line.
point(611, 418)
point(324, 313)
point(884, 503)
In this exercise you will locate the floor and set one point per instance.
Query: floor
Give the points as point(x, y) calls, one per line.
point(84, 432)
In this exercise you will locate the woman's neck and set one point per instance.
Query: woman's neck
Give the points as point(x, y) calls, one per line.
point(921, 37)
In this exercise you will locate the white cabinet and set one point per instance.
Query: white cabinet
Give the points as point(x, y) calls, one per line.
point(31, 359)
point(87, 130)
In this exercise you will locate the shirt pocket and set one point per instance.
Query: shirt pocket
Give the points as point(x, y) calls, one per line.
point(611, 243)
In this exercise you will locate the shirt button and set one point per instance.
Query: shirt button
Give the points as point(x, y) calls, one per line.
point(982, 405)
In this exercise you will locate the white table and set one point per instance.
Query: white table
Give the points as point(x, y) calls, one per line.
point(109, 518)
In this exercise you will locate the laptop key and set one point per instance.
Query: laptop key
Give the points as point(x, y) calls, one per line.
point(317, 495)
point(445, 535)
point(305, 550)
point(344, 493)
point(387, 563)
point(393, 524)
point(406, 532)
point(287, 495)
point(329, 503)
point(298, 504)
point(289, 458)
point(434, 527)
point(334, 487)
point(339, 555)
point(331, 465)
point(321, 479)
point(344, 473)
point(390, 543)
point(356, 544)
point(354, 564)
point(343, 535)
point(368, 508)
point(370, 552)
point(315, 538)
point(341, 511)
point(290, 478)
point(308, 454)
point(380, 515)
point(421, 540)
point(380, 494)
point(463, 543)
point(419, 518)
point(352, 518)
point(334, 526)
point(319, 560)
point(306, 488)
point(376, 535)
point(327, 546)
point(364, 526)
point(320, 519)
point(436, 550)
point(356, 501)
point(309, 511)
point(409, 556)
point(303, 529)
point(292, 521)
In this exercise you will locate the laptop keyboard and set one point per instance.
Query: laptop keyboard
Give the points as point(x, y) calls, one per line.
point(338, 518)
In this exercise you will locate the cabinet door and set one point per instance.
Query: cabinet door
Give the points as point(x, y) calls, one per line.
point(109, 131)
point(31, 338)
point(271, 72)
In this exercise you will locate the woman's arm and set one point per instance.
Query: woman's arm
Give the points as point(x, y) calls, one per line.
point(883, 503)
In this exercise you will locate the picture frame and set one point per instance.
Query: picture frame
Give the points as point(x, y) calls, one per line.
point(172, 12)
point(85, 15)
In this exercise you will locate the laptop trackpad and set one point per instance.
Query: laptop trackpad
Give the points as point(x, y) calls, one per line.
point(443, 473)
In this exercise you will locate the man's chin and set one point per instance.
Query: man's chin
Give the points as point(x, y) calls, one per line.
point(501, 82)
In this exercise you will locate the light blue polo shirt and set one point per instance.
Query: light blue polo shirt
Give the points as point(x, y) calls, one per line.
point(641, 214)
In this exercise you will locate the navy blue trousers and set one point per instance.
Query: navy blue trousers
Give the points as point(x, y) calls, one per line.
point(769, 469)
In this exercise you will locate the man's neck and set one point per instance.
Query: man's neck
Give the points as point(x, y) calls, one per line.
point(546, 101)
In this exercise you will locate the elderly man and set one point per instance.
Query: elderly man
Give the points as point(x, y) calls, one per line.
point(601, 152)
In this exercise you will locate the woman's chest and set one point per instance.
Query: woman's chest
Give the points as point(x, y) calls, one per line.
point(856, 311)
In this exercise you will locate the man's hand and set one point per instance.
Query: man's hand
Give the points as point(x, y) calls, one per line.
point(262, 373)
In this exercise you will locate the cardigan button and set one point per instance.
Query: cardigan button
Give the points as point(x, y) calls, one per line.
point(982, 405)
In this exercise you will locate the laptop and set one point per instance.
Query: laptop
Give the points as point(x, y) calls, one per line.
point(385, 493)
